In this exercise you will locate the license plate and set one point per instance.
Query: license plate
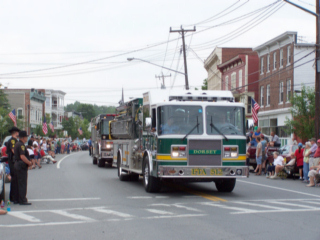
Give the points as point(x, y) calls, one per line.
point(206, 172)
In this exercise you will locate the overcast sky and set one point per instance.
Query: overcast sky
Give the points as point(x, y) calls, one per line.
point(42, 34)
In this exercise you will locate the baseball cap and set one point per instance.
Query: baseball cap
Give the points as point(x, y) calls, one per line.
point(318, 141)
point(300, 144)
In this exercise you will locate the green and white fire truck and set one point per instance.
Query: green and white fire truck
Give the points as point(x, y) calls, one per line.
point(186, 135)
point(102, 145)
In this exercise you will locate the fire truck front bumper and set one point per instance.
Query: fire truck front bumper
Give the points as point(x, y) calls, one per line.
point(203, 172)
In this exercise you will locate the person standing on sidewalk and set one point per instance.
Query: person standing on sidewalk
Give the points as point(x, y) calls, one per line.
point(10, 152)
point(306, 162)
point(90, 146)
point(312, 151)
point(258, 156)
point(21, 167)
point(299, 159)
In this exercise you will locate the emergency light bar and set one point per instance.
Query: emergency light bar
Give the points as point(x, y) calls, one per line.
point(201, 98)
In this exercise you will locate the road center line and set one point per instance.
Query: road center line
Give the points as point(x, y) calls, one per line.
point(282, 189)
point(58, 164)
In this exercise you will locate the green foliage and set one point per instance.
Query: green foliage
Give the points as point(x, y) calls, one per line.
point(89, 111)
point(303, 112)
point(205, 84)
point(73, 124)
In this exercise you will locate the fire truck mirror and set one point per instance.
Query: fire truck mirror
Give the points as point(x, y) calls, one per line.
point(148, 122)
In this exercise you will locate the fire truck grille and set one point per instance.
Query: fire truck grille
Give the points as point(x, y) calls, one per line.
point(205, 152)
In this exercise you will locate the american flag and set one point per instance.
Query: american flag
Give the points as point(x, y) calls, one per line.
point(255, 108)
point(51, 126)
point(13, 117)
point(80, 131)
point(44, 126)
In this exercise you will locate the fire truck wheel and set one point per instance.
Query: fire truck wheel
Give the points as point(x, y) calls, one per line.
point(151, 184)
point(101, 163)
point(94, 161)
point(225, 185)
point(122, 176)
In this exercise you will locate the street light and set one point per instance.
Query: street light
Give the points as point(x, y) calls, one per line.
point(139, 59)
point(317, 69)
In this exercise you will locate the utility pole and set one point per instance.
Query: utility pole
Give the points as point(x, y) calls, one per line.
point(317, 71)
point(183, 31)
point(163, 86)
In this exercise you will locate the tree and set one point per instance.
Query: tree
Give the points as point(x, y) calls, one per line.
point(302, 111)
point(86, 110)
point(205, 84)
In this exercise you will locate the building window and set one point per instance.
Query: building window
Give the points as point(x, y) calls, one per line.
point(268, 62)
point(261, 66)
point(47, 102)
point(274, 60)
point(227, 83)
point(281, 92)
point(288, 55)
point(233, 81)
point(240, 78)
point(19, 113)
point(261, 96)
point(281, 57)
point(268, 94)
point(288, 90)
point(249, 105)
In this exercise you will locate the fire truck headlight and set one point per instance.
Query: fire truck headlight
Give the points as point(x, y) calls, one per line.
point(234, 154)
point(175, 154)
point(108, 146)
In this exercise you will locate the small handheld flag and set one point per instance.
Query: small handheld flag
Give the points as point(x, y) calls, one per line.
point(44, 126)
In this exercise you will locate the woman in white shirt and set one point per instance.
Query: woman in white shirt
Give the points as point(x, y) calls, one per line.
point(278, 164)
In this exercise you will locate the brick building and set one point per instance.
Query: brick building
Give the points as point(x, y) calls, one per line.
point(29, 105)
point(240, 74)
point(284, 65)
point(218, 56)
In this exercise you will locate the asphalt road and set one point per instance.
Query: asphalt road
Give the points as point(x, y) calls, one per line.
point(77, 200)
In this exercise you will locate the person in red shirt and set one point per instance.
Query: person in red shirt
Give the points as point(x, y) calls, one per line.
point(299, 159)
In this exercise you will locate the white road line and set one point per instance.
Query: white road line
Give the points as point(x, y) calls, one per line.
point(292, 204)
point(278, 211)
point(24, 216)
point(187, 208)
point(159, 211)
point(119, 214)
point(63, 199)
point(140, 197)
point(161, 197)
point(40, 224)
point(59, 162)
point(228, 207)
point(176, 216)
point(282, 189)
point(160, 204)
point(310, 202)
point(260, 205)
point(74, 216)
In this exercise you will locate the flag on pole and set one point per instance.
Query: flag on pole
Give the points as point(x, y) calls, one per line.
point(80, 131)
point(13, 117)
point(44, 126)
point(255, 107)
point(51, 126)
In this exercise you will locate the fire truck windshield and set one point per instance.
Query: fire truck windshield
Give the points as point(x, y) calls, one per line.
point(228, 120)
point(181, 119)
point(105, 127)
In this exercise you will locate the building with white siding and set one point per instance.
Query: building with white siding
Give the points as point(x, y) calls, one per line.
point(284, 66)
point(55, 106)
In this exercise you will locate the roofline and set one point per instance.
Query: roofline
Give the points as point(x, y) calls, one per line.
point(273, 40)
